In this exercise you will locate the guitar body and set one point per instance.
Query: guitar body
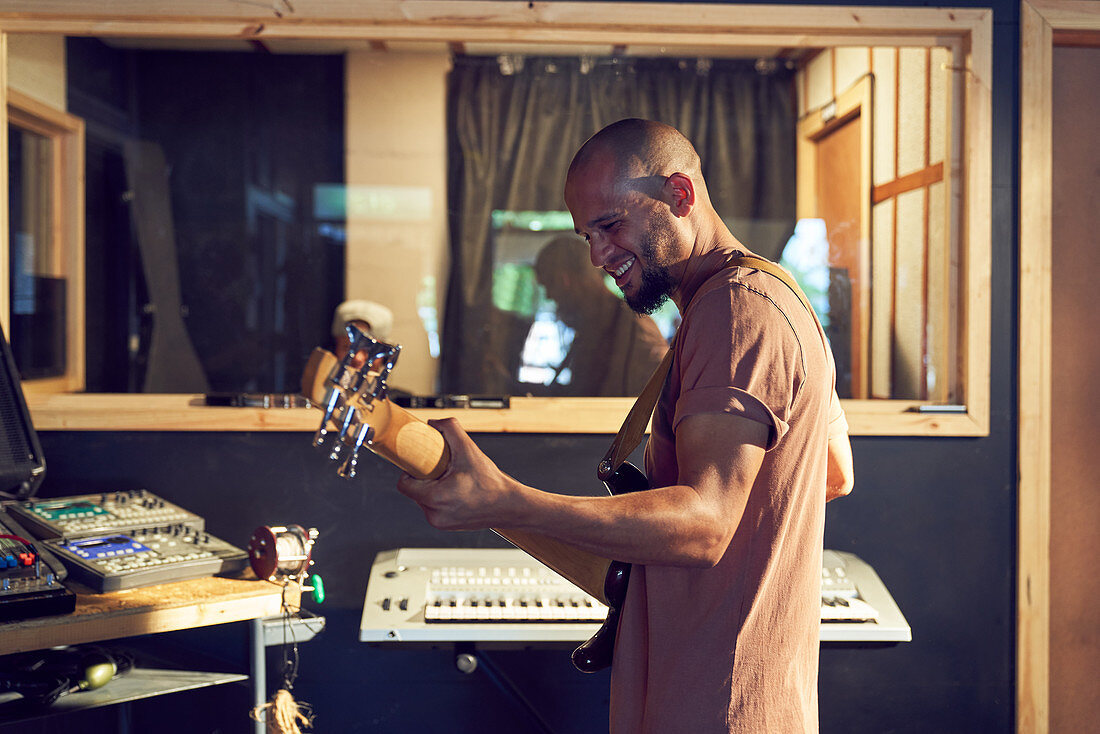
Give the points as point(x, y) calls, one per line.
point(356, 417)
point(596, 653)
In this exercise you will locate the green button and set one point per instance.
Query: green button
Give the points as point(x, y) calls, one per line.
point(318, 588)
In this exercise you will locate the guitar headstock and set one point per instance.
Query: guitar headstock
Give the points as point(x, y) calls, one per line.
point(347, 390)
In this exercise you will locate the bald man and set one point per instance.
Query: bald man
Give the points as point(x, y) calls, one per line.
point(719, 630)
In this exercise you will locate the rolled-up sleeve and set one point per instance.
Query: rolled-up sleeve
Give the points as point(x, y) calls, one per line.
point(754, 372)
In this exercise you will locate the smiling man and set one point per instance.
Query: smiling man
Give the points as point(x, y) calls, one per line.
point(719, 630)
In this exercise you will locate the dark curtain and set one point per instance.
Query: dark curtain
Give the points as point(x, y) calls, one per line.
point(514, 124)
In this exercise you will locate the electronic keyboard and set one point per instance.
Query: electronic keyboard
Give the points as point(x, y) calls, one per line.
point(503, 595)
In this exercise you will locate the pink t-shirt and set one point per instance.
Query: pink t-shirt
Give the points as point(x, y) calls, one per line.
point(734, 648)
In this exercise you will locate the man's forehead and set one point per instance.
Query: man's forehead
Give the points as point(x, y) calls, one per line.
point(589, 171)
point(592, 202)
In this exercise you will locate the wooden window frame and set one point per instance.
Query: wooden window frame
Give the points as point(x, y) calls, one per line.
point(967, 32)
point(65, 134)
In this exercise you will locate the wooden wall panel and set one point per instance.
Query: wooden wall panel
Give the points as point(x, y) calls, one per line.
point(38, 67)
point(852, 62)
point(884, 67)
point(909, 313)
point(939, 332)
point(882, 297)
point(397, 214)
point(910, 107)
point(819, 81)
point(912, 110)
point(938, 78)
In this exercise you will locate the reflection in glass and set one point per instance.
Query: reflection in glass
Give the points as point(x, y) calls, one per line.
point(581, 339)
point(605, 348)
point(514, 123)
point(875, 149)
point(293, 178)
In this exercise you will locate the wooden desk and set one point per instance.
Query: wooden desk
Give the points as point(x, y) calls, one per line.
point(165, 608)
point(151, 609)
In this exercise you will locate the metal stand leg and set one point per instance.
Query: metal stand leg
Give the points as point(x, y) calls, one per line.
point(124, 718)
point(258, 671)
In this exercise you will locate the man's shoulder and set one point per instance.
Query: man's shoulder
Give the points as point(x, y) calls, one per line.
point(744, 308)
point(743, 294)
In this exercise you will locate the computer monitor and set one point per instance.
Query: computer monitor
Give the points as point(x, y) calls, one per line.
point(22, 465)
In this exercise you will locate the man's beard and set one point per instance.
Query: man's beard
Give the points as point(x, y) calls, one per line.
point(656, 281)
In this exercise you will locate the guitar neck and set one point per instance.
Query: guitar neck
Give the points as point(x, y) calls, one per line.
point(406, 441)
point(587, 570)
point(421, 451)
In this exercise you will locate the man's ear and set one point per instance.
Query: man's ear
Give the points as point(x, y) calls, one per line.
point(680, 192)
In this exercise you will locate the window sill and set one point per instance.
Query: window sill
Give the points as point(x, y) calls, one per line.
point(143, 412)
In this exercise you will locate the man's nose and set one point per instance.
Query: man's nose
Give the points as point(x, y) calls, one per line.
point(599, 249)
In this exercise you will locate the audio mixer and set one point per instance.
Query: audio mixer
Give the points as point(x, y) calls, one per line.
point(30, 577)
point(146, 556)
point(99, 514)
point(126, 539)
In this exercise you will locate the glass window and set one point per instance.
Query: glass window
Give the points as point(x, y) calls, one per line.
point(861, 166)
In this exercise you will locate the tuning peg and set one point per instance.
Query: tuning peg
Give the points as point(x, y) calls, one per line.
point(348, 418)
point(332, 398)
point(347, 469)
point(362, 436)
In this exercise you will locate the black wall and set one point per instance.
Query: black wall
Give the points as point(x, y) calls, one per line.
point(936, 517)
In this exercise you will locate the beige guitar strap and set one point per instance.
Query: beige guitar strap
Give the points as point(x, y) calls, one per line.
point(633, 428)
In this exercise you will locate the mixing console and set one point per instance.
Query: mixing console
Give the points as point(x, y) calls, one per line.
point(30, 578)
point(100, 514)
point(126, 539)
point(146, 556)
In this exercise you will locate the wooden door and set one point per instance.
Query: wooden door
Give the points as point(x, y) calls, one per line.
point(839, 193)
point(1075, 393)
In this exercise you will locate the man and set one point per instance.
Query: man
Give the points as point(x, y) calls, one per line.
point(614, 351)
point(373, 318)
point(719, 630)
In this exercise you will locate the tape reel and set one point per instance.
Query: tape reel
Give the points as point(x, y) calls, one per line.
point(281, 553)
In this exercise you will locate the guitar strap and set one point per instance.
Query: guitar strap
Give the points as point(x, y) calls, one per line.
point(633, 428)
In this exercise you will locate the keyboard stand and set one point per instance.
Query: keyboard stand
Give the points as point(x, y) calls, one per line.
point(469, 659)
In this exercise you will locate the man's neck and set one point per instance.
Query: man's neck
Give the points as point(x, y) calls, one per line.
point(716, 236)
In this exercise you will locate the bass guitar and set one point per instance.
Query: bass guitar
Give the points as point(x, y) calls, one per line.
point(358, 414)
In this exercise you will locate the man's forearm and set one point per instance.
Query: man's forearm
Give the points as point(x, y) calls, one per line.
point(664, 526)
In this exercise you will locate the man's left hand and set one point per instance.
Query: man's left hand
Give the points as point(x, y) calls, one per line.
point(472, 494)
